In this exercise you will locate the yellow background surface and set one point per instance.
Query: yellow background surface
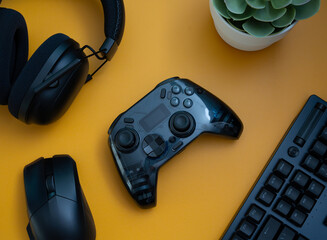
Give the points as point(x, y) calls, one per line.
point(199, 190)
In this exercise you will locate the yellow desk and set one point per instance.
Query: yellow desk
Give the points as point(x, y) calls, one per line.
point(200, 189)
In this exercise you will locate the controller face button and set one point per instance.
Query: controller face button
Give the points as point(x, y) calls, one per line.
point(188, 103)
point(126, 140)
point(174, 102)
point(189, 91)
point(182, 124)
point(176, 89)
point(154, 145)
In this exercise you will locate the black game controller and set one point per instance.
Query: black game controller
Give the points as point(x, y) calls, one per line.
point(159, 126)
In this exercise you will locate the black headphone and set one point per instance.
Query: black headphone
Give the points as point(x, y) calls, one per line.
point(42, 89)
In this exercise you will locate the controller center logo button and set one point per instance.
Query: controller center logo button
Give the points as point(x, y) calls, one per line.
point(154, 145)
point(182, 124)
point(126, 140)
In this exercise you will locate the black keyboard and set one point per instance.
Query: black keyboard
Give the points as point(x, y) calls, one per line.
point(289, 199)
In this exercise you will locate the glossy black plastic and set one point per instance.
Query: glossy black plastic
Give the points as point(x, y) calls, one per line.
point(152, 118)
point(57, 208)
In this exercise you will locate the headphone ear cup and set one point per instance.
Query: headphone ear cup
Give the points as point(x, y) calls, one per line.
point(48, 105)
point(13, 49)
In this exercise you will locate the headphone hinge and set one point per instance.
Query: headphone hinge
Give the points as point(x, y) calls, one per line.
point(109, 48)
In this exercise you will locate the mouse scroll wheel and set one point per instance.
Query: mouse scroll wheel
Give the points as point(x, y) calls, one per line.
point(49, 182)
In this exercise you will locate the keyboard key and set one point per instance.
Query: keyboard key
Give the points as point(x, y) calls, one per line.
point(283, 168)
point(298, 217)
point(255, 213)
point(301, 238)
point(306, 203)
point(246, 228)
point(319, 149)
point(322, 172)
point(311, 163)
point(266, 197)
point(315, 189)
point(286, 234)
point(283, 208)
point(236, 237)
point(323, 135)
point(292, 193)
point(274, 182)
point(269, 229)
point(301, 179)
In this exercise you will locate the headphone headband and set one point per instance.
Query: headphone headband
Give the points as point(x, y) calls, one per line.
point(114, 23)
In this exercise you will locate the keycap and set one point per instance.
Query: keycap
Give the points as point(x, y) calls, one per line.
point(322, 172)
point(306, 203)
point(310, 163)
point(283, 208)
point(269, 229)
point(315, 189)
point(298, 217)
point(236, 237)
point(255, 213)
point(286, 234)
point(274, 182)
point(266, 197)
point(319, 149)
point(301, 179)
point(283, 168)
point(301, 238)
point(246, 228)
point(292, 193)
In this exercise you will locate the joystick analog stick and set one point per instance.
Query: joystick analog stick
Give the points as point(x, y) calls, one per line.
point(182, 124)
point(126, 139)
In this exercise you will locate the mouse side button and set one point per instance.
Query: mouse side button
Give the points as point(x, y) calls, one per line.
point(35, 189)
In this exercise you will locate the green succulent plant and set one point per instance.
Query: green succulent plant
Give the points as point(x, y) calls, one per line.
point(261, 18)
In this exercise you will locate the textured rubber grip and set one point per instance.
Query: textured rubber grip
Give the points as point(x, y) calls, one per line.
point(114, 19)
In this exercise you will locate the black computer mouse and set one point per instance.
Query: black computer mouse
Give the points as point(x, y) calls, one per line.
point(57, 208)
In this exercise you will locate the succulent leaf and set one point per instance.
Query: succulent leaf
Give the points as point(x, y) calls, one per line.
point(261, 17)
point(299, 2)
point(221, 7)
point(257, 28)
point(269, 14)
point(236, 6)
point(256, 4)
point(278, 4)
point(285, 20)
point(240, 17)
point(307, 10)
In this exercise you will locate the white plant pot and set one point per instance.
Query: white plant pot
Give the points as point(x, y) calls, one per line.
point(241, 40)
